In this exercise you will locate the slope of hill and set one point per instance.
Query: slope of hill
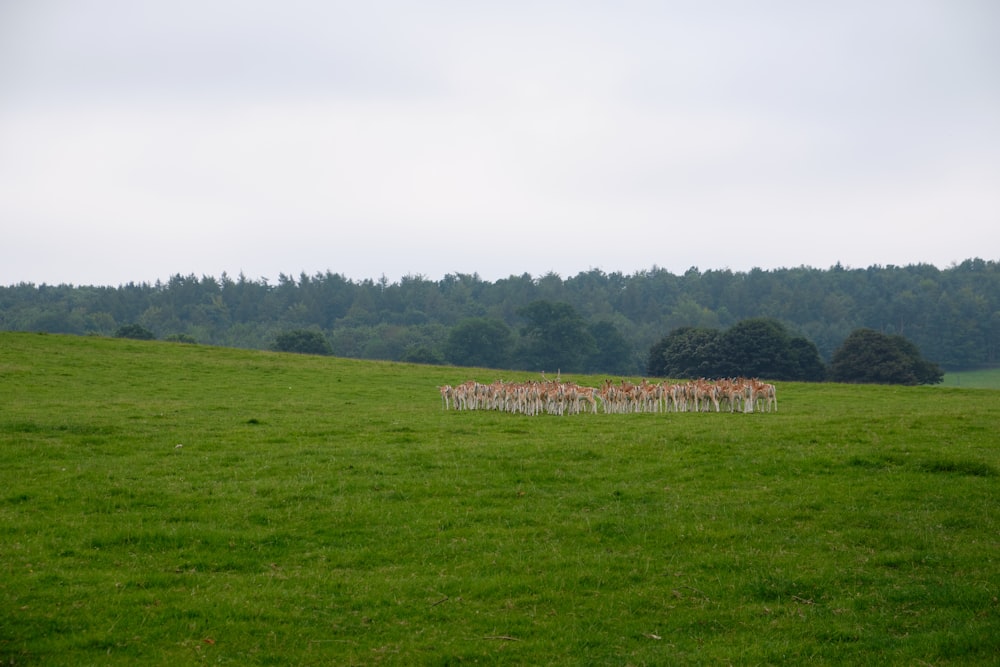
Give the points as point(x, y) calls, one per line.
point(168, 504)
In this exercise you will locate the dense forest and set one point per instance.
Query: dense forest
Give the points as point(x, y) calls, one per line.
point(594, 321)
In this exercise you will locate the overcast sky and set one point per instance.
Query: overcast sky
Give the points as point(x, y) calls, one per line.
point(139, 140)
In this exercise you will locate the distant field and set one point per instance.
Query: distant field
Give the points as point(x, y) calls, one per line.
point(983, 379)
point(174, 504)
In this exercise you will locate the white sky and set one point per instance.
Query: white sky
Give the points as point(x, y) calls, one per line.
point(141, 139)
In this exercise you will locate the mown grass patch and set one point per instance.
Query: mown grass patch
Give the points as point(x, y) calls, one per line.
point(987, 378)
point(327, 511)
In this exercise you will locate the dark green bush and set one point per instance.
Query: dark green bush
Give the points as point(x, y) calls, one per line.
point(135, 331)
point(302, 341)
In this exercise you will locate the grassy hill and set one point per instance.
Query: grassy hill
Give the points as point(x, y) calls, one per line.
point(172, 504)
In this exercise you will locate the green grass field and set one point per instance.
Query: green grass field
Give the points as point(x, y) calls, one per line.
point(172, 504)
point(981, 379)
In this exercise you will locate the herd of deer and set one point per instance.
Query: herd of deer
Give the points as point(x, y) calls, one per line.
point(561, 398)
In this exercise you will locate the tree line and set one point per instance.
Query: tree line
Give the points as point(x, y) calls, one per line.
point(592, 322)
point(761, 347)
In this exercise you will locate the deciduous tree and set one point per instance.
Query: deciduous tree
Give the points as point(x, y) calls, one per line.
point(870, 357)
point(687, 352)
point(481, 342)
point(556, 337)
